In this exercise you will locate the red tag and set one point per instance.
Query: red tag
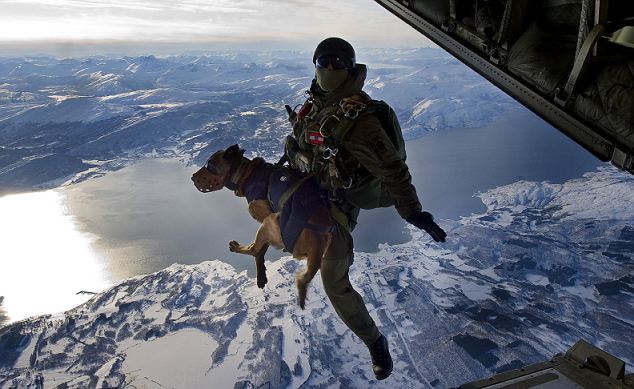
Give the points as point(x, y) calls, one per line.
point(315, 138)
point(303, 111)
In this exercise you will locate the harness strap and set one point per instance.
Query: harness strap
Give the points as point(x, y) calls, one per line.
point(237, 173)
point(282, 161)
point(346, 123)
point(340, 217)
point(342, 128)
point(289, 192)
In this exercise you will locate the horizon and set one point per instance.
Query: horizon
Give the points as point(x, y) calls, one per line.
point(68, 28)
point(64, 50)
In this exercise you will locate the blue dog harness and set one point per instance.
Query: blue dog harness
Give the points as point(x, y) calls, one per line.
point(301, 195)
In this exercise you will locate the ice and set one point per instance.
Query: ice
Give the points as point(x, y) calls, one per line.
point(154, 361)
point(475, 291)
point(422, 106)
point(537, 279)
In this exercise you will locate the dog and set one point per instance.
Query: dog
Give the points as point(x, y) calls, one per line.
point(254, 179)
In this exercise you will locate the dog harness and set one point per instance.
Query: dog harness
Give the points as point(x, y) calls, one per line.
point(294, 195)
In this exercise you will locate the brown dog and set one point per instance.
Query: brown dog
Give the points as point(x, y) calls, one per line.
point(252, 179)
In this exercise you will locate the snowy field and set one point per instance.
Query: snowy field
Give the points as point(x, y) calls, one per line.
point(544, 266)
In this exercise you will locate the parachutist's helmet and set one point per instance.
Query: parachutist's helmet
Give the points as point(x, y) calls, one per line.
point(335, 49)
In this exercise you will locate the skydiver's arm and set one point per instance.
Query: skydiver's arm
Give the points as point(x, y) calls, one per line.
point(368, 142)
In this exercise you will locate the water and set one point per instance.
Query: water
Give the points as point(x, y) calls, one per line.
point(145, 217)
point(450, 168)
point(150, 215)
point(46, 260)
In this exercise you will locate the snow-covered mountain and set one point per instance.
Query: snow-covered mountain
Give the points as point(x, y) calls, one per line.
point(545, 265)
point(71, 119)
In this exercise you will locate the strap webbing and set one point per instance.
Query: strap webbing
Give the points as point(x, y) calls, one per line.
point(340, 217)
point(344, 125)
point(289, 192)
point(282, 161)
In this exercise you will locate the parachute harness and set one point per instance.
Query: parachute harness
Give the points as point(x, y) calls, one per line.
point(325, 131)
point(321, 133)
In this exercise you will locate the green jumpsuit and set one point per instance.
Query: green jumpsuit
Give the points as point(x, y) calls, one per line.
point(369, 145)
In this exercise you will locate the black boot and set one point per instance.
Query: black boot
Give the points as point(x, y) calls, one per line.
point(381, 358)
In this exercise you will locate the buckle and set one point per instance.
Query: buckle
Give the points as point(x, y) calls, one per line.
point(327, 131)
point(329, 153)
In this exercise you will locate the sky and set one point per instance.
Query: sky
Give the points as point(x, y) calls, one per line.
point(68, 25)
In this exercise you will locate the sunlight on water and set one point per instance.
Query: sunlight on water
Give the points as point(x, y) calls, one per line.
point(45, 260)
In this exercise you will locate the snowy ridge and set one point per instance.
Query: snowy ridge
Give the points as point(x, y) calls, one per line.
point(577, 199)
point(514, 285)
point(94, 110)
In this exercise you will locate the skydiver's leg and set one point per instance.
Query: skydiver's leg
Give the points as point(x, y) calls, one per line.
point(347, 302)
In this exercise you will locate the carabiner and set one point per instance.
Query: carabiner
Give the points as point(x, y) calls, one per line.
point(329, 153)
point(351, 108)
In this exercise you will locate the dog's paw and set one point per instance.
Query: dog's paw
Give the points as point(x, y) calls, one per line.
point(233, 246)
point(262, 281)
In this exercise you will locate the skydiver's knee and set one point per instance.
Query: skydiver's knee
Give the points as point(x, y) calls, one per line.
point(335, 286)
point(334, 273)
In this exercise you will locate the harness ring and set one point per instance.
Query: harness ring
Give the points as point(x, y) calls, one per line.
point(323, 125)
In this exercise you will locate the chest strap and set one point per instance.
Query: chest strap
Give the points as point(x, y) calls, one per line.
point(336, 124)
point(340, 217)
point(289, 192)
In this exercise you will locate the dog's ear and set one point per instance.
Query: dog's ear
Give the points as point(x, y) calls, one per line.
point(233, 152)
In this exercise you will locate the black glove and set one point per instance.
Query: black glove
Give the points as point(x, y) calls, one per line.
point(425, 221)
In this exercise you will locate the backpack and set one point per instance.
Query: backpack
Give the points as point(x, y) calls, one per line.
point(369, 192)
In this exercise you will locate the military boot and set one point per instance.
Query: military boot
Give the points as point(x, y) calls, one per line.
point(381, 359)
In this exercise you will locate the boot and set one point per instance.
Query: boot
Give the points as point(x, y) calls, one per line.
point(381, 359)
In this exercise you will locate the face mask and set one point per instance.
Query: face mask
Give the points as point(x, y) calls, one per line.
point(329, 80)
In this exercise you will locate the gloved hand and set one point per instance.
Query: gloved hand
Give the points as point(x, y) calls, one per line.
point(425, 221)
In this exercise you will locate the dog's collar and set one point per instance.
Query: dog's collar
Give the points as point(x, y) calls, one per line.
point(236, 174)
point(241, 174)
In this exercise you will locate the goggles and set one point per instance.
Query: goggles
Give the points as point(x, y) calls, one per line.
point(336, 62)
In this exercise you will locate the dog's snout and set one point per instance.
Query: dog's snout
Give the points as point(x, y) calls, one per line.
point(197, 181)
point(205, 182)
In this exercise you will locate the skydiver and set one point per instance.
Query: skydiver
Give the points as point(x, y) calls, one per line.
point(354, 147)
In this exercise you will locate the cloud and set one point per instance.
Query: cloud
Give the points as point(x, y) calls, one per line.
point(201, 20)
point(86, 4)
